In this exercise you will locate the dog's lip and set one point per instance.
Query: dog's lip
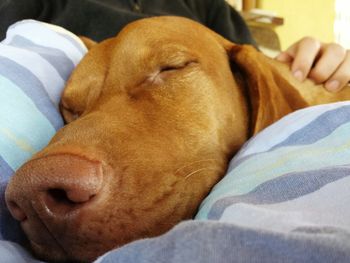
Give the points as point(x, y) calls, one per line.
point(42, 238)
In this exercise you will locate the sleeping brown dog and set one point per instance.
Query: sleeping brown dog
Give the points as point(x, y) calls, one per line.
point(154, 116)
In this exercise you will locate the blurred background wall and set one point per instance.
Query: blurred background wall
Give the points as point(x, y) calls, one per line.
point(327, 20)
point(302, 18)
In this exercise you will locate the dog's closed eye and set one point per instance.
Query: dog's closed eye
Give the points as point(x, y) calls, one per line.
point(167, 70)
point(177, 66)
point(68, 114)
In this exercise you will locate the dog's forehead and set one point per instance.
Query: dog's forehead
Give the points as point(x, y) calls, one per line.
point(156, 32)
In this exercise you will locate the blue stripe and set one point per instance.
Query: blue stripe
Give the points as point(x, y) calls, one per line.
point(24, 129)
point(283, 188)
point(319, 128)
point(5, 171)
point(57, 58)
point(9, 228)
point(316, 130)
point(329, 230)
point(32, 87)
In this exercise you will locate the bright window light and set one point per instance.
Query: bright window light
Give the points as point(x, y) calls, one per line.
point(342, 23)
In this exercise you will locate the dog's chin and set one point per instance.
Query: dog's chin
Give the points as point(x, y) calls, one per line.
point(49, 254)
point(59, 255)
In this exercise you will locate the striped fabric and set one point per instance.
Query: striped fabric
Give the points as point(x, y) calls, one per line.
point(297, 181)
point(36, 60)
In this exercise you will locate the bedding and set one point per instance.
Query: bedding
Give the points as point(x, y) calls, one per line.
point(36, 60)
point(285, 197)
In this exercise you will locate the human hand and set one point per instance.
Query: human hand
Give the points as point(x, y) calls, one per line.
point(327, 64)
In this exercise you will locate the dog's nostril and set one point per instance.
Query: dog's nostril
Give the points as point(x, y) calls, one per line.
point(60, 186)
point(74, 196)
point(57, 202)
point(60, 196)
point(16, 211)
point(61, 202)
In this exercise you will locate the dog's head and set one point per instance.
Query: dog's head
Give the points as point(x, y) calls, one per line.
point(154, 115)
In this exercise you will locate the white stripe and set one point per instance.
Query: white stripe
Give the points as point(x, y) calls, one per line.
point(46, 73)
point(35, 31)
point(66, 32)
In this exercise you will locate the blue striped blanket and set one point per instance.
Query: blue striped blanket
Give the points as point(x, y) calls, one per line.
point(300, 179)
point(36, 60)
point(285, 198)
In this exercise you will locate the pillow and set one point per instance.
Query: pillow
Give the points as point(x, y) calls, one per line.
point(13, 253)
point(294, 176)
point(36, 60)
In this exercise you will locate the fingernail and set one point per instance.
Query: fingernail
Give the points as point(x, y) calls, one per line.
point(332, 85)
point(298, 75)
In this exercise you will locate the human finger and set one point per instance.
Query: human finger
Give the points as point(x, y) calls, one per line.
point(341, 77)
point(306, 53)
point(330, 58)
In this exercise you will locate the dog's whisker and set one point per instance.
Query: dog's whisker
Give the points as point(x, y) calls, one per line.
point(195, 162)
point(200, 170)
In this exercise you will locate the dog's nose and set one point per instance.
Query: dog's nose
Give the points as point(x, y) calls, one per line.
point(55, 186)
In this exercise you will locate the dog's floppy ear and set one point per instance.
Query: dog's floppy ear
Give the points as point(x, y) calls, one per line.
point(88, 42)
point(271, 95)
point(86, 81)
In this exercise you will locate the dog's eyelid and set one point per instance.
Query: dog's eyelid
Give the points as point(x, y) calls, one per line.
point(168, 67)
point(69, 115)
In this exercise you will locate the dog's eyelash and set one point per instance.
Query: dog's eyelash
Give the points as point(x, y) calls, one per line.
point(168, 68)
point(175, 67)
